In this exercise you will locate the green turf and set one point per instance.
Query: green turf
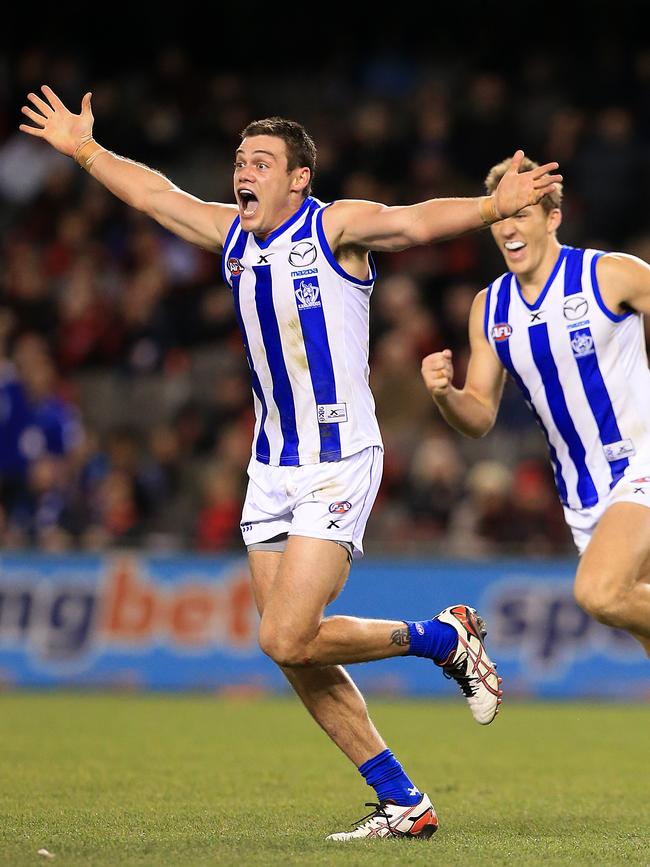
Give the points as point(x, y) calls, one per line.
point(166, 780)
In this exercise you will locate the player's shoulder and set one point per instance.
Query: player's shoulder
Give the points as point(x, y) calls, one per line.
point(346, 210)
point(621, 267)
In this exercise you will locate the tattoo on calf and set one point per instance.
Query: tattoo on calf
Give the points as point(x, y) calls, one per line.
point(401, 637)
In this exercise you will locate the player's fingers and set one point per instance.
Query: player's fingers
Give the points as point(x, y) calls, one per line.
point(40, 104)
point(85, 104)
point(32, 130)
point(538, 193)
point(34, 115)
point(545, 169)
point(447, 353)
point(547, 181)
point(53, 98)
point(515, 162)
point(435, 367)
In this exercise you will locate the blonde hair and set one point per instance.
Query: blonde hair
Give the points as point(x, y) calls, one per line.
point(549, 202)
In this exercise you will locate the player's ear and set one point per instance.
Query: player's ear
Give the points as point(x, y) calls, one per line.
point(554, 219)
point(301, 179)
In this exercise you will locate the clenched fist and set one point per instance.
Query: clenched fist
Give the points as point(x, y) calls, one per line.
point(438, 372)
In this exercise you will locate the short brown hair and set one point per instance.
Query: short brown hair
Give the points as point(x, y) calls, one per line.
point(549, 202)
point(301, 150)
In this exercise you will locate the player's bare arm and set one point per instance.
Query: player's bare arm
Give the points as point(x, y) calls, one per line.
point(372, 226)
point(202, 223)
point(624, 282)
point(473, 409)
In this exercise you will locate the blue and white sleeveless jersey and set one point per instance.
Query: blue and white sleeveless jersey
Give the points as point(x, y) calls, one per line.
point(305, 325)
point(583, 371)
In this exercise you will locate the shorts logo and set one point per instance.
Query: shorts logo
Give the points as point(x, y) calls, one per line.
point(501, 331)
point(332, 413)
point(642, 480)
point(582, 344)
point(307, 293)
point(340, 508)
point(302, 254)
point(617, 451)
point(575, 307)
point(234, 266)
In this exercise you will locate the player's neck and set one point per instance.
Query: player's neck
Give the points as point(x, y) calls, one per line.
point(532, 282)
point(280, 218)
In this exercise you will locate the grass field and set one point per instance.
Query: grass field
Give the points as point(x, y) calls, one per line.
point(167, 780)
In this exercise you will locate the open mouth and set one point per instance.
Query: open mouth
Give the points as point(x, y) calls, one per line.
point(513, 246)
point(249, 202)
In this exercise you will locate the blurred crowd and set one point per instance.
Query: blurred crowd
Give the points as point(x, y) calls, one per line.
point(125, 408)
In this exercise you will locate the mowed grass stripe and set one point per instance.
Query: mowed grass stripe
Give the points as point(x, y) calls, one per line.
point(186, 780)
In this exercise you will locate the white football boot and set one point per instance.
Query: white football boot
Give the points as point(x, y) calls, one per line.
point(469, 665)
point(389, 820)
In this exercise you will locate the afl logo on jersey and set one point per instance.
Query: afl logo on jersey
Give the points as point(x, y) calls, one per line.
point(501, 331)
point(340, 508)
point(234, 266)
point(302, 254)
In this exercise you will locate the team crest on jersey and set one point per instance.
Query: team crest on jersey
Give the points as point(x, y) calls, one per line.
point(307, 293)
point(340, 508)
point(234, 266)
point(582, 344)
point(501, 331)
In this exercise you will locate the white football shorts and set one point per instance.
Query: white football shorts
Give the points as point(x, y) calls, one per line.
point(330, 500)
point(633, 487)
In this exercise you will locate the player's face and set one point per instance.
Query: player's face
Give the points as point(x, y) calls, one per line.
point(526, 239)
point(267, 193)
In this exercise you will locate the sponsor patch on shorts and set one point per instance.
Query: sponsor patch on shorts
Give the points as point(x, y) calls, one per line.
point(621, 449)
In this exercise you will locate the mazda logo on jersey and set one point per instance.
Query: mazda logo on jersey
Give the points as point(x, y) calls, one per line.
point(303, 254)
point(234, 266)
point(501, 331)
point(575, 307)
point(340, 508)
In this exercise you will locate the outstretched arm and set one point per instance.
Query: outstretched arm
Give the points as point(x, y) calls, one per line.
point(473, 409)
point(377, 227)
point(203, 223)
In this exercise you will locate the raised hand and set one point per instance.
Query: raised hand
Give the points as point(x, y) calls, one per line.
point(59, 127)
point(516, 190)
point(438, 372)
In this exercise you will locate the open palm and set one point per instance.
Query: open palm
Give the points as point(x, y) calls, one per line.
point(59, 127)
point(517, 189)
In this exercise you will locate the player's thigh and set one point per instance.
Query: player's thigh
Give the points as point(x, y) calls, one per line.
point(618, 554)
point(264, 566)
point(311, 574)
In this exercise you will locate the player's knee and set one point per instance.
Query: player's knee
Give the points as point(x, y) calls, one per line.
point(601, 600)
point(281, 646)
